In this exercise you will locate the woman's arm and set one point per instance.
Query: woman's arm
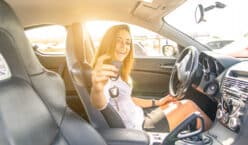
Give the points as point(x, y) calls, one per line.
point(98, 99)
point(100, 75)
point(146, 103)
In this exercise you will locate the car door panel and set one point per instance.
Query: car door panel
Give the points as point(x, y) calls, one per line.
point(51, 62)
point(151, 76)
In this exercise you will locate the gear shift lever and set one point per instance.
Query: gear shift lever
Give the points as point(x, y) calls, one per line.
point(177, 134)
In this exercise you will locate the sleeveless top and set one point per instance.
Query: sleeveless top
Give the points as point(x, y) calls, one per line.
point(131, 114)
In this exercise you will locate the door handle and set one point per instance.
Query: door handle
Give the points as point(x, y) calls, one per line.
point(164, 66)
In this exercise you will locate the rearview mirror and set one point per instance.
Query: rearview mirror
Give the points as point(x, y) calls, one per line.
point(200, 10)
point(199, 14)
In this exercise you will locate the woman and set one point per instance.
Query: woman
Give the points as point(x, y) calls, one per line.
point(116, 45)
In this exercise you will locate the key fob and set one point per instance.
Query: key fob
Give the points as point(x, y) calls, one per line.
point(118, 65)
point(114, 92)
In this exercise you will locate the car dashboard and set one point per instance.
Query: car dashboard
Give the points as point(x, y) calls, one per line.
point(225, 80)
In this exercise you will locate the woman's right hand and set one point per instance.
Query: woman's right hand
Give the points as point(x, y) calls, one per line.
point(101, 73)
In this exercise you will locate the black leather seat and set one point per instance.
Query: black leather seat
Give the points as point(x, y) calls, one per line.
point(32, 99)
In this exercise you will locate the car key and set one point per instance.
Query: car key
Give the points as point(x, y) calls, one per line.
point(114, 91)
point(118, 65)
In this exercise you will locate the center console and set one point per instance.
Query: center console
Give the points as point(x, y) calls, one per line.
point(231, 116)
point(233, 105)
point(232, 108)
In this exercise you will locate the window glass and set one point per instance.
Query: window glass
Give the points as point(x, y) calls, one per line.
point(48, 39)
point(219, 25)
point(146, 43)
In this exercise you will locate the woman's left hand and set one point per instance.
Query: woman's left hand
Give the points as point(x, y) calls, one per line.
point(166, 99)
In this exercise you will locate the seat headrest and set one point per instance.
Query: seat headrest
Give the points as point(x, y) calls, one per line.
point(14, 45)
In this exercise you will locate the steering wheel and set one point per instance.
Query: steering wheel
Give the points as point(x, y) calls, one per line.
point(183, 72)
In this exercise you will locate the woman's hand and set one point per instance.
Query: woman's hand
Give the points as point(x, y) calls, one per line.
point(102, 72)
point(100, 75)
point(166, 99)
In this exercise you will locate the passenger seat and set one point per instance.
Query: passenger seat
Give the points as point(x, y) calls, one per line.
point(32, 99)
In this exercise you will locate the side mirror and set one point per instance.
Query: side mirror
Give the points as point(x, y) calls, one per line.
point(35, 47)
point(169, 50)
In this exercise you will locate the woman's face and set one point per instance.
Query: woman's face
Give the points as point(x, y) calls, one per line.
point(123, 45)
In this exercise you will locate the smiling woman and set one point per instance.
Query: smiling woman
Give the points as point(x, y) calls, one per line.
point(116, 45)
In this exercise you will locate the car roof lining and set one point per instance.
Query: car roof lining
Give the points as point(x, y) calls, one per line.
point(70, 11)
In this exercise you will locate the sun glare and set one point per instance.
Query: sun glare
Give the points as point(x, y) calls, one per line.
point(46, 34)
point(98, 28)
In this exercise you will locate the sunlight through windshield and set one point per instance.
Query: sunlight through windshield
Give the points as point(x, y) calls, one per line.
point(223, 23)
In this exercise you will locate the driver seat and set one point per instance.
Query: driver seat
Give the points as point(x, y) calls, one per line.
point(78, 45)
point(32, 99)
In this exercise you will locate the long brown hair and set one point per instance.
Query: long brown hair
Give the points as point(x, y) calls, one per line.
point(107, 46)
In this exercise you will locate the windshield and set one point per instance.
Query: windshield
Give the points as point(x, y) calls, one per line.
point(220, 25)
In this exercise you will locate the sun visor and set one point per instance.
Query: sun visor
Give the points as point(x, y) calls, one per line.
point(4, 69)
point(155, 10)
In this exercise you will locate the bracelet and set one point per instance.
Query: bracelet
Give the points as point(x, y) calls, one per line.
point(153, 103)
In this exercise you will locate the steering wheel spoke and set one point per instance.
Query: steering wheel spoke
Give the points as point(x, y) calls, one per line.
point(183, 72)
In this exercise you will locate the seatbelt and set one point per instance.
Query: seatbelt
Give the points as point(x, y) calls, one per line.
point(61, 69)
point(78, 35)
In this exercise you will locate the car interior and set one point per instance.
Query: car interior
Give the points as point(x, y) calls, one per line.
point(45, 99)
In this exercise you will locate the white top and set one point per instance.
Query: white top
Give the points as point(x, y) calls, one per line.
point(131, 114)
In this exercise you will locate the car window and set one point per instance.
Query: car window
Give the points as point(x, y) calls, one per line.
point(219, 25)
point(146, 43)
point(48, 40)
